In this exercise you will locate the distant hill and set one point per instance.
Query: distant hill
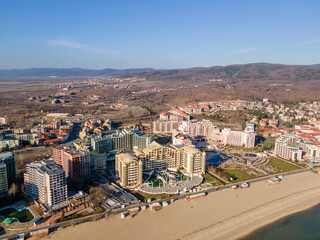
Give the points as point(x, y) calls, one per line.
point(68, 72)
point(315, 66)
point(253, 72)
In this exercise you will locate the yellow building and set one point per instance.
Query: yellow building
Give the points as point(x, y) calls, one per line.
point(129, 170)
point(156, 156)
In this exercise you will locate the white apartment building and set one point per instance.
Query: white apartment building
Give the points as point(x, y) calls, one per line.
point(46, 182)
point(199, 128)
point(293, 147)
point(285, 147)
point(237, 138)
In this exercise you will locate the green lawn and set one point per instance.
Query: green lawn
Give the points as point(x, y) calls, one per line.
point(144, 196)
point(23, 216)
point(237, 175)
point(208, 178)
point(158, 183)
point(281, 165)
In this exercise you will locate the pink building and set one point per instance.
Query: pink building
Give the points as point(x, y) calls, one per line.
point(180, 138)
point(264, 122)
point(174, 115)
point(273, 123)
point(4, 120)
point(75, 163)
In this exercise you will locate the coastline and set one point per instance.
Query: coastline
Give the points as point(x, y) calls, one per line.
point(230, 214)
point(245, 224)
point(279, 220)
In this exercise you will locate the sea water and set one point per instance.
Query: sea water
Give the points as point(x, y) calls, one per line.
point(301, 226)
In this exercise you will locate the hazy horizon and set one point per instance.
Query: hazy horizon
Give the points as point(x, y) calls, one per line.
point(160, 35)
point(75, 67)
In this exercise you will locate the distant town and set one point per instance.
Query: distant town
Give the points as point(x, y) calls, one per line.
point(71, 168)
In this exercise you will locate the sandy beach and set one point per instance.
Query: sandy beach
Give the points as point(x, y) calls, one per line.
point(229, 214)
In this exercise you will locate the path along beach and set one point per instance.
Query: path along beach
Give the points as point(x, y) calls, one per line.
point(229, 214)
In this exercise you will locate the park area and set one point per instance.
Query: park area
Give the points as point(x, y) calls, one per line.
point(276, 165)
point(23, 216)
point(208, 178)
point(237, 175)
point(243, 173)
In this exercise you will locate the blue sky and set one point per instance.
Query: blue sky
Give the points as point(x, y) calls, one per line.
point(159, 34)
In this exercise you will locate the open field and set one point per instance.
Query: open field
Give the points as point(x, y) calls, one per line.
point(159, 88)
point(27, 155)
point(208, 178)
point(237, 175)
point(281, 165)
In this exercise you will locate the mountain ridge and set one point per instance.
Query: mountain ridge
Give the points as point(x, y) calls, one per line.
point(245, 72)
point(68, 72)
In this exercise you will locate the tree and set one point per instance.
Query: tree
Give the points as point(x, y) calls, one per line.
point(288, 124)
point(13, 190)
point(97, 195)
point(62, 216)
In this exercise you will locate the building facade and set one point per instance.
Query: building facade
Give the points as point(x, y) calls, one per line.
point(165, 126)
point(4, 120)
point(9, 160)
point(126, 139)
point(101, 144)
point(158, 157)
point(286, 147)
point(181, 138)
point(199, 128)
point(76, 163)
point(101, 160)
point(238, 138)
point(129, 170)
point(3, 181)
point(46, 182)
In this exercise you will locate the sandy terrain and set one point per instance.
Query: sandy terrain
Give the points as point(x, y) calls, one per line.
point(226, 214)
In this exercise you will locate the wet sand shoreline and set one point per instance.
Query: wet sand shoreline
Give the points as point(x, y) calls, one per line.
point(227, 214)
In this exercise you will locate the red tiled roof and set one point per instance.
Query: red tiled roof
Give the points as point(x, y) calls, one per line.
point(52, 140)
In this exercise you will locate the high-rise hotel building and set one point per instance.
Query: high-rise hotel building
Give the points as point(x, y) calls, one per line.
point(76, 163)
point(46, 181)
point(125, 139)
point(129, 170)
point(3, 180)
point(287, 147)
point(7, 172)
point(159, 157)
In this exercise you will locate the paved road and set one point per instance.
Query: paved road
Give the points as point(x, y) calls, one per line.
point(75, 133)
point(122, 210)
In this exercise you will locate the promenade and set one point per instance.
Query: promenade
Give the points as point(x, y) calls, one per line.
point(221, 215)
